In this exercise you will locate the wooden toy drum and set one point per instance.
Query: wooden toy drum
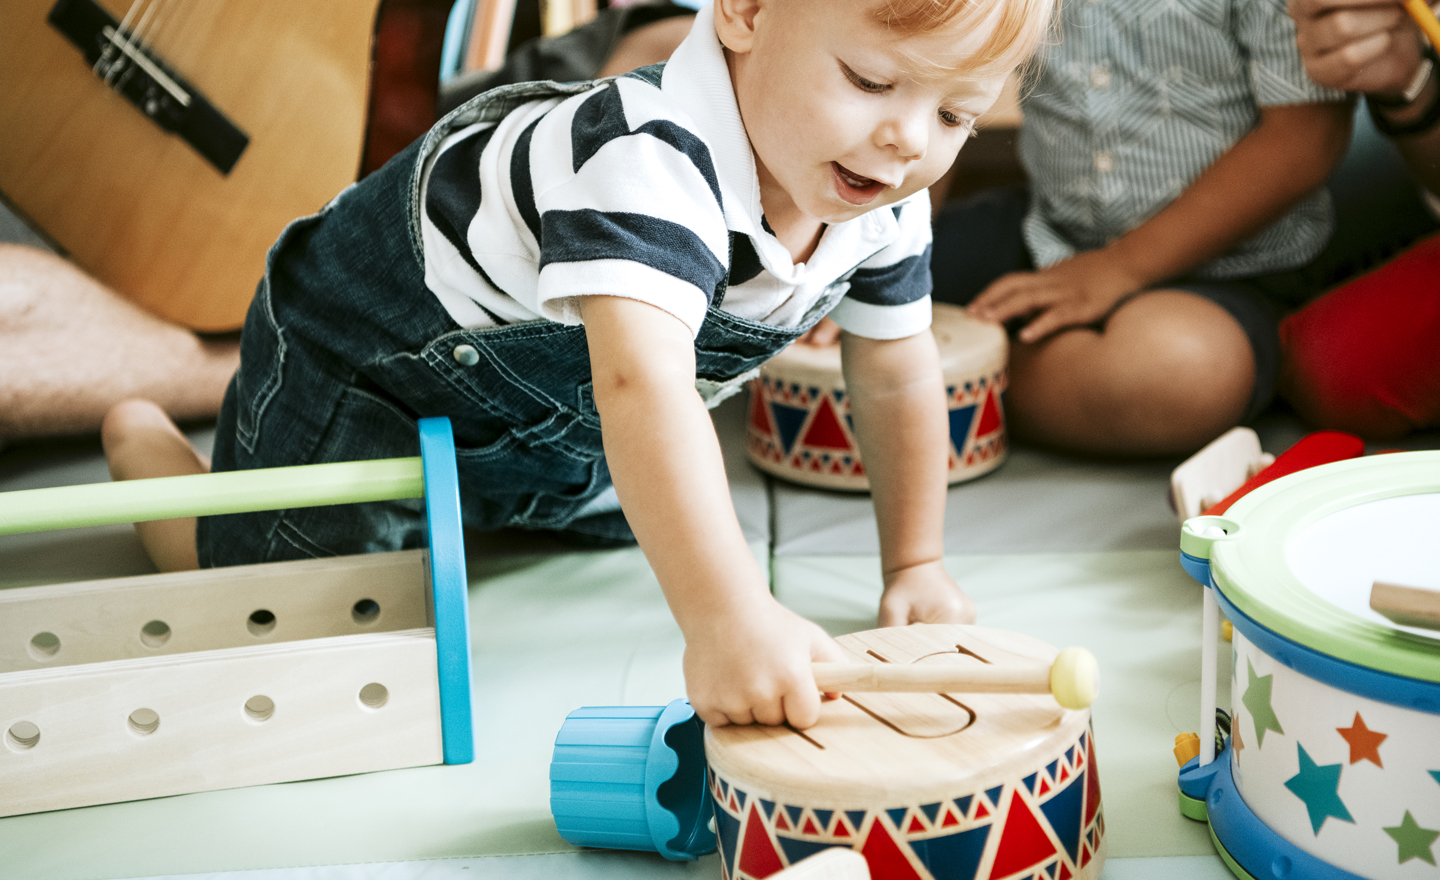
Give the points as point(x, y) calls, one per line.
point(1333, 769)
point(800, 428)
point(949, 787)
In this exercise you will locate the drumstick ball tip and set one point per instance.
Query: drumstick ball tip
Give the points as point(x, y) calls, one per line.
point(1075, 678)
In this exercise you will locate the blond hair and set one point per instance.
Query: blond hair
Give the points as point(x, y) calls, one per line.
point(1019, 27)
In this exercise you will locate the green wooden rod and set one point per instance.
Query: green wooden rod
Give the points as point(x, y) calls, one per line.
point(94, 504)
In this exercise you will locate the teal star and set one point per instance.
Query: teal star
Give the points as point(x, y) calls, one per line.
point(1319, 788)
point(1414, 841)
point(1257, 700)
point(1436, 774)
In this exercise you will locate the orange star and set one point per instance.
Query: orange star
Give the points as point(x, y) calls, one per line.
point(1364, 742)
point(1235, 741)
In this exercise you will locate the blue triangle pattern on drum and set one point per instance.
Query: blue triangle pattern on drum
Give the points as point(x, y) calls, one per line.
point(857, 818)
point(994, 795)
point(1082, 743)
point(931, 811)
point(898, 817)
point(795, 850)
point(741, 794)
point(1029, 782)
point(795, 813)
point(788, 421)
point(727, 828)
point(961, 418)
point(768, 807)
point(955, 856)
point(1070, 756)
point(963, 805)
point(1051, 768)
point(838, 394)
point(724, 790)
point(1063, 812)
point(824, 817)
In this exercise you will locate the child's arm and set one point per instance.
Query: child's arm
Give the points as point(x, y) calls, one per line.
point(747, 658)
point(1288, 154)
point(897, 398)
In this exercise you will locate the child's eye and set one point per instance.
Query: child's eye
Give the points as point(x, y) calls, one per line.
point(861, 82)
point(951, 119)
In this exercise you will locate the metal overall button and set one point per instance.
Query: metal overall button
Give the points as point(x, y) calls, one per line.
point(466, 355)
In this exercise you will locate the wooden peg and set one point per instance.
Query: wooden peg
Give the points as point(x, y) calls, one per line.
point(1411, 606)
point(1073, 678)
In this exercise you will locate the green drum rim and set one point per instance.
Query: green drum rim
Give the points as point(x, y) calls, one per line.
point(1248, 563)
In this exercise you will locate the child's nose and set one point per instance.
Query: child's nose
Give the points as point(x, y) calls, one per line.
point(907, 133)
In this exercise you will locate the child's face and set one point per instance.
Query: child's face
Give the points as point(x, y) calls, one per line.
point(840, 115)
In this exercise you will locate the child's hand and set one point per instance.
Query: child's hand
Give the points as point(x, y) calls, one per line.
point(1078, 291)
point(825, 332)
point(755, 667)
point(924, 593)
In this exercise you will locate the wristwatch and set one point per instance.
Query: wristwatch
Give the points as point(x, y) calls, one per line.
point(1426, 120)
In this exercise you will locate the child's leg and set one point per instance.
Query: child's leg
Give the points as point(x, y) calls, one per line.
point(141, 442)
point(1362, 358)
point(1170, 371)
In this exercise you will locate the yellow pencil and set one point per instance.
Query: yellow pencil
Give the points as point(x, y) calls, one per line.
point(1425, 17)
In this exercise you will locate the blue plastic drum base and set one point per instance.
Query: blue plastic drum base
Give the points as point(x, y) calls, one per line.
point(1243, 839)
point(633, 777)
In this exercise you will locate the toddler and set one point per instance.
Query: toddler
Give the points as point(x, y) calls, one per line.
point(570, 273)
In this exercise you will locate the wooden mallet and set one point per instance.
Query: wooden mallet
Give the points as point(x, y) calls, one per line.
point(1074, 678)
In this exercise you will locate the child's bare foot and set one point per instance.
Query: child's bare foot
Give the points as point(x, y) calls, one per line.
point(141, 442)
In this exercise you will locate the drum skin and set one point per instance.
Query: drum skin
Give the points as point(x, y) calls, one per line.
point(799, 428)
point(925, 786)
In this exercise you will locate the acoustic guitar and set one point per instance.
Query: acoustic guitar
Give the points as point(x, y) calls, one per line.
point(163, 144)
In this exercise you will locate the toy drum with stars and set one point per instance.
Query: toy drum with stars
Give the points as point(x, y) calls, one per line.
point(926, 786)
point(1333, 765)
point(800, 427)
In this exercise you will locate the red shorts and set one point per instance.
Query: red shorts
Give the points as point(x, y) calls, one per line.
point(1365, 357)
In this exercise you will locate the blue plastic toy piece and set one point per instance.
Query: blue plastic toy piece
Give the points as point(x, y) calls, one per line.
point(448, 588)
point(633, 777)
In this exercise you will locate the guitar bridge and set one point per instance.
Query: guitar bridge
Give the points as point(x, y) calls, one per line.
point(137, 73)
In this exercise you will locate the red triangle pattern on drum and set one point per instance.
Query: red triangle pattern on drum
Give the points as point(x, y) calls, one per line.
point(780, 822)
point(949, 819)
point(1023, 843)
point(758, 857)
point(980, 811)
point(810, 826)
point(990, 420)
point(759, 417)
point(1092, 782)
point(1064, 872)
point(916, 826)
point(885, 857)
point(825, 431)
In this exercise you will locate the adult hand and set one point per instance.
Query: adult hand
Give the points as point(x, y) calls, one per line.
point(1357, 45)
point(1073, 293)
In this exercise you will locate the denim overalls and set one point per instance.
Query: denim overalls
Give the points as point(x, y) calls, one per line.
point(344, 348)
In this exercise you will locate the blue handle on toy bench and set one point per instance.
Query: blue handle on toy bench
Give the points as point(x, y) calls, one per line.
point(431, 476)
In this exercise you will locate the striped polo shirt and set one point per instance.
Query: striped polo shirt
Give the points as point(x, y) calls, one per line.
point(1137, 99)
point(645, 187)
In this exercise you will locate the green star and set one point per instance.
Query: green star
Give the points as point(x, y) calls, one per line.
point(1319, 787)
point(1257, 700)
point(1414, 841)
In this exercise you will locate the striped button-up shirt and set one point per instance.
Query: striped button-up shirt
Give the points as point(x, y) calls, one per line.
point(1137, 99)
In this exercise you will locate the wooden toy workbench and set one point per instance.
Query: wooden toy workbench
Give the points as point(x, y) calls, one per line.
point(163, 684)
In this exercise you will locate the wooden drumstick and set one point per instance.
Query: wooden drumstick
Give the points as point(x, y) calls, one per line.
point(1411, 606)
point(1073, 678)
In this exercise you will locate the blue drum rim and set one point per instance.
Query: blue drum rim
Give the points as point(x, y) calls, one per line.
point(1251, 844)
point(1385, 687)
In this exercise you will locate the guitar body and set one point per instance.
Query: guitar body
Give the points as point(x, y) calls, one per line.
point(140, 207)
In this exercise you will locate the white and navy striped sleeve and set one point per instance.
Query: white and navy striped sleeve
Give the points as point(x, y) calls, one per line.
point(889, 295)
point(624, 200)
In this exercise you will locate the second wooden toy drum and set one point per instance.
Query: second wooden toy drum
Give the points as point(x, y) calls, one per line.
point(800, 428)
point(925, 786)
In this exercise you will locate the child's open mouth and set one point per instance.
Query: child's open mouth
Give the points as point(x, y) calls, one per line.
point(854, 188)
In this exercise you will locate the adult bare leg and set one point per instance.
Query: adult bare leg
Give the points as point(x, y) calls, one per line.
point(1169, 372)
point(70, 348)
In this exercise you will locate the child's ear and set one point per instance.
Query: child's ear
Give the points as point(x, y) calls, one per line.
point(735, 23)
